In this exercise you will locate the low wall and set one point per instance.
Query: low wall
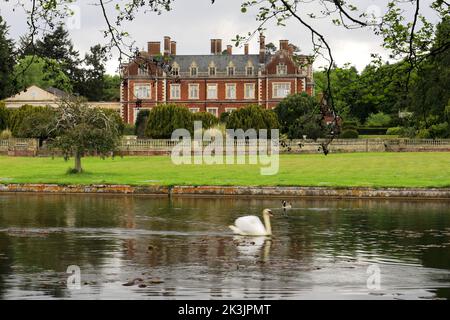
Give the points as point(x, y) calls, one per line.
point(150, 147)
point(236, 191)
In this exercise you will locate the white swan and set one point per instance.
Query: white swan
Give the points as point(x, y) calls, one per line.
point(252, 225)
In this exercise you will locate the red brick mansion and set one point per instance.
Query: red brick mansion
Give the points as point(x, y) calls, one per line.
point(218, 82)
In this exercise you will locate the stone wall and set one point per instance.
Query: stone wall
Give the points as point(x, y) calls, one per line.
point(236, 191)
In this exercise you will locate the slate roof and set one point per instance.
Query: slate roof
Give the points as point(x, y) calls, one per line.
point(221, 62)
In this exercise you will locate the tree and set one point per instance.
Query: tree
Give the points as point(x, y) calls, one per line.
point(7, 61)
point(208, 120)
point(294, 106)
point(252, 117)
point(92, 82)
point(111, 90)
point(431, 93)
point(36, 123)
point(42, 72)
point(80, 130)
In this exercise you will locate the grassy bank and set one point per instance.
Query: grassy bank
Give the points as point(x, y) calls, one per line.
point(337, 170)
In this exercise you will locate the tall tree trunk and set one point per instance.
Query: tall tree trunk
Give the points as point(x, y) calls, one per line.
point(78, 162)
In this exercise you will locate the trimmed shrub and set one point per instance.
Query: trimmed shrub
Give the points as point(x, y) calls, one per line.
point(252, 117)
point(129, 130)
point(379, 119)
point(164, 119)
point(208, 120)
point(397, 131)
point(224, 117)
point(36, 124)
point(349, 134)
point(141, 123)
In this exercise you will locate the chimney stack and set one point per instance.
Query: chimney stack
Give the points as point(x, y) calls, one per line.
point(246, 49)
point(284, 45)
point(229, 50)
point(166, 46)
point(216, 46)
point(154, 48)
point(262, 48)
point(173, 48)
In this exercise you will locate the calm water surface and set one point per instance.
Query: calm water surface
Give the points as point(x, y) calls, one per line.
point(181, 248)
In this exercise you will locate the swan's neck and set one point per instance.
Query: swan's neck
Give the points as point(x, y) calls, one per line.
point(266, 218)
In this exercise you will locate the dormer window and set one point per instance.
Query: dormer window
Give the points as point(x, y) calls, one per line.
point(142, 70)
point(249, 71)
point(281, 69)
point(175, 71)
point(194, 71)
point(212, 71)
point(230, 71)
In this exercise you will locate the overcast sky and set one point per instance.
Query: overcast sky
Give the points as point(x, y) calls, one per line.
point(192, 23)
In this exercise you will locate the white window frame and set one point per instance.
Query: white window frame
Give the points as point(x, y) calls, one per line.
point(281, 69)
point(207, 91)
point(191, 85)
point(245, 90)
point(230, 85)
point(175, 71)
point(142, 71)
point(212, 73)
point(231, 71)
point(230, 109)
point(137, 86)
point(216, 111)
point(275, 90)
point(247, 70)
point(192, 73)
point(194, 110)
point(175, 88)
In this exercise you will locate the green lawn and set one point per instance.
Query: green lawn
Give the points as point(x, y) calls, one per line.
point(346, 169)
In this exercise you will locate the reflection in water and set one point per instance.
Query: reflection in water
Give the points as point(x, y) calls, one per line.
point(182, 248)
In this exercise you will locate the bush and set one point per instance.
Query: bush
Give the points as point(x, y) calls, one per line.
point(379, 119)
point(395, 131)
point(440, 130)
point(5, 134)
point(423, 134)
point(306, 126)
point(141, 122)
point(164, 119)
point(224, 117)
point(128, 130)
point(35, 124)
point(291, 108)
point(208, 120)
point(252, 117)
point(349, 134)
point(4, 116)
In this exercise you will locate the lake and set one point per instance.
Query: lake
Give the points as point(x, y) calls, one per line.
point(141, 247)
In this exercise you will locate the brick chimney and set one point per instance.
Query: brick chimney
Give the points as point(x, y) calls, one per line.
point(216, 46)
point(154, 48)
point(173, 48)
point(166, 46)
point(229, 50)
point(246, 49)
point(284, 45)
point(262, 48)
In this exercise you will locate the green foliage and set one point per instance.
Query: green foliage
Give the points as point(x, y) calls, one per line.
point(252, 117)
point(114, 115)
point(349, 134)
point(4, 116)
point(208, 120)
point(111, 88)
point(379, 119)
point(80, 130)
point(17, 116)
point(224, 117)
point(398, 131)
point(42, 72)
point(164, 119)
point(35, 123)
point(141, 122)
point(5, 134)
point(298, 116)
point(7, 62)
point(128, 130)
